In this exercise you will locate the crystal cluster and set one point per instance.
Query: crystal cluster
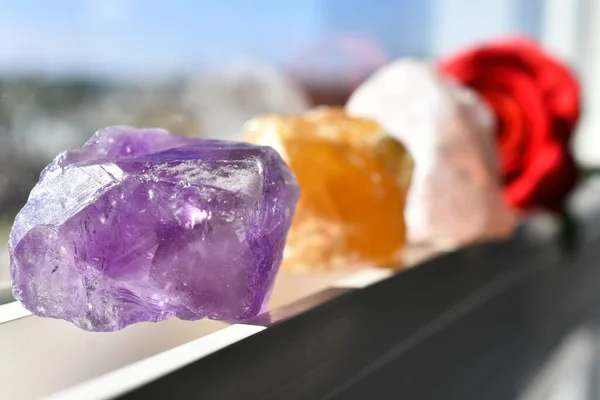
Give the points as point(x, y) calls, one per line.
point(354, 180)
point(455, 195)
point(142, 225)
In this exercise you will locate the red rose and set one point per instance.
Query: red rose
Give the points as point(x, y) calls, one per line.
point(536, 100)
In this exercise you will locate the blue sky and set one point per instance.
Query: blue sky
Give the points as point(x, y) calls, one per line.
point(145, 35)
point(161, 37)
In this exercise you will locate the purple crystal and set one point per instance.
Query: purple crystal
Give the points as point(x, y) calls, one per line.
point(141, 225)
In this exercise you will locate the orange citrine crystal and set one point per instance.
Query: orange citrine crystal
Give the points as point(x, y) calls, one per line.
point(353, 179)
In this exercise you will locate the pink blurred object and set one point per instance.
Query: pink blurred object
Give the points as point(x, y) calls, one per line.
point(331, 67)
point(455, 196)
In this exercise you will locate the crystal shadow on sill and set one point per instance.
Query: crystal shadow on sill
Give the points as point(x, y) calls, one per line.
point(25, 353)
point(69, 384)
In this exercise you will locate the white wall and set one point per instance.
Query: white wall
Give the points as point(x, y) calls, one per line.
point(572, 30)
point(459, 23)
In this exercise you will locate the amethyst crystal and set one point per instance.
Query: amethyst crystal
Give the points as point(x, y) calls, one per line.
point(141, 225)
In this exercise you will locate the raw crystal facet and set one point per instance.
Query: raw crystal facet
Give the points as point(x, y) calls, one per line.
point(455, 195)
point(142, 225)
point(354, 180)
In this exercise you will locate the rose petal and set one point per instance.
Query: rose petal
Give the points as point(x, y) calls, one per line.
point(546, 182)
point(549, 97)
point(558, 84)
